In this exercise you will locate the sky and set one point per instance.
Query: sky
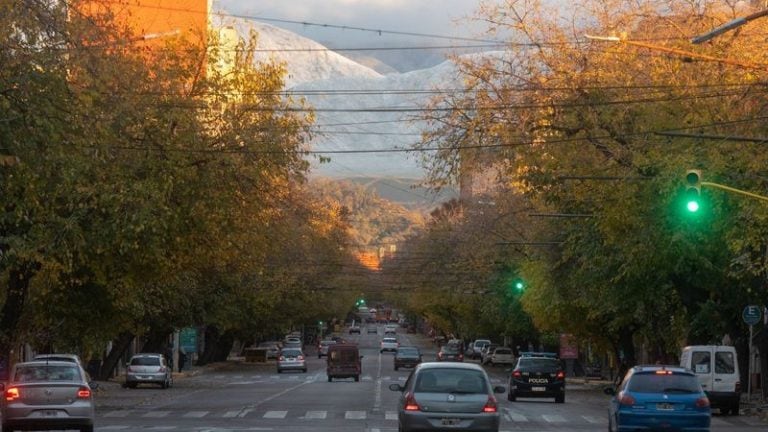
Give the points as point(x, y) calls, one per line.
point(439, 17)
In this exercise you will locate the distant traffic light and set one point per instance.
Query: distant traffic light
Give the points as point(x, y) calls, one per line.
point(693, 190)
point(519, 285)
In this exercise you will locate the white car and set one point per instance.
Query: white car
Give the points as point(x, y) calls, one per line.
point(502, 356)
point(389, 344)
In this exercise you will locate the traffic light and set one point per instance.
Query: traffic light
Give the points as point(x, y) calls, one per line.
point(693, 190)
point(518, 285)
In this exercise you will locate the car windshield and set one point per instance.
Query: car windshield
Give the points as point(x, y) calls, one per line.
point(451, 380)
point(538, 364)
point(651, 382)
point(145, 361)
point(46, 373)
point(345, 355)
point(502, 351)
point(291, 352)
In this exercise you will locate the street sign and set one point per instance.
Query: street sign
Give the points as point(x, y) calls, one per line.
point(751, 315)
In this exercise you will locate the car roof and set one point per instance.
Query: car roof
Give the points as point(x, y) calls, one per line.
point(450, 365)
point(653, 368)
point(46, 363)
point(147, 355)
point(539, 354)
point(52, 356)
point(343, 346)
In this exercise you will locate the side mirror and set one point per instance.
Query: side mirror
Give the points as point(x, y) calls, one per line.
point(610, 391)
point(499, 389)
point(396, 387)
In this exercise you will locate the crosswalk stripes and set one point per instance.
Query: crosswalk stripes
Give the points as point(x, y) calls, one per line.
point(553, 418)
point(315, 415)
point(156, 414)
point(594, 420)
point(196, 414)
point(390, 415)
point(275, 414)
point(355, 415)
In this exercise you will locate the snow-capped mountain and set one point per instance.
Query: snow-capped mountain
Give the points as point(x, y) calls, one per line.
point(357, 108)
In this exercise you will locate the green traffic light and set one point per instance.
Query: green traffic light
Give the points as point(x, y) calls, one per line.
point(519, 285)
point(693, 206)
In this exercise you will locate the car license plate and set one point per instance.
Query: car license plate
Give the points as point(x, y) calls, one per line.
point(539, 389)
point(451, 422)
point(49, 413)
point(664, 406)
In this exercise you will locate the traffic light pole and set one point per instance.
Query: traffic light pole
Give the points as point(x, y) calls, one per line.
point(734, 190)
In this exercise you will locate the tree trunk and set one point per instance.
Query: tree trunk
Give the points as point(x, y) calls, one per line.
point(211, 336)
point(15, 298)
point(119, 346)
point(627, 345)
point(224, 346)
point(157, 340)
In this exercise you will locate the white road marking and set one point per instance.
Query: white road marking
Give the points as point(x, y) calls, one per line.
point(275, 414)
point(390, 415)
point(231, 414)
point(553, 418)
point(196, 414)
point(593, 419)
point(117, 413)
point(315, 415)
point(161, 428)
point(516, 417)
point(156, 414)
point(355, 415)
point(377, 389)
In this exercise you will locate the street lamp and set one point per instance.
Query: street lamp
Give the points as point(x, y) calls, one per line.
point(730, 25)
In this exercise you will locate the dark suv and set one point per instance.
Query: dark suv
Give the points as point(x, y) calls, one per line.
point(537, 377)
point(407, 356)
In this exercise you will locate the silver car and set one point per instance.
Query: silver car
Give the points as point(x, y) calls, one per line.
point(148, 369)
point(47, 394)
point(72, 358)
point(440, 396)
point(322, 347)
point(291, 359)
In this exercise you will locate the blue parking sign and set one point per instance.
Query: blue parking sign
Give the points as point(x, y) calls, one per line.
point(751, 314)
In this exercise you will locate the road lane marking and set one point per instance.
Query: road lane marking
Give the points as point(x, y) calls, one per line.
point(355, 415)
point(196, 414)
point(553, 418)
point(390, 415)
point(593, 419)
point(231, 414)
point(275, 414)
point(156, 414)
point(315, 415)
point(377, 389)
point(513, 416)
point(251, 407)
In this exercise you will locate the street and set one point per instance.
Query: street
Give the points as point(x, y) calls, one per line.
point(253, 397)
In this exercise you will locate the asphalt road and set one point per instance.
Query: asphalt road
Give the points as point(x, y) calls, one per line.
point(253, 397)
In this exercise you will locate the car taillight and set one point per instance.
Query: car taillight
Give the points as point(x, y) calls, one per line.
point(702, 402)
point(626, 400)
point(282, 358)
point(440, 354)
point(12, 394)
point(560, 375)
point(461, 356)
point(410, 403)
point(517, 374)
point(84, 393)
point(491, 406)
point(162, 369)
point(738, 386)
point(300, 357)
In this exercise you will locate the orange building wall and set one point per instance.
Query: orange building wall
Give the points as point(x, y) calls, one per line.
point(158, 17)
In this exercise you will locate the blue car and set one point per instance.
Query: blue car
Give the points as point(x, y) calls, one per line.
point(659, 397)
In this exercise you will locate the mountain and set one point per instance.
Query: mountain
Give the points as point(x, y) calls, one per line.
point(365, 120)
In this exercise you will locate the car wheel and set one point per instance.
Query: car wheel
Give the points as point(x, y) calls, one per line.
point(735, 409)
point(279, 371)
point(164, 385)
point(131, 385)
point(511, 397)
point(560, 398)
point(319, 356)
point(357, 378)
point(86, 428)
point(330, 379)
point(395, 367)
point(304, 370)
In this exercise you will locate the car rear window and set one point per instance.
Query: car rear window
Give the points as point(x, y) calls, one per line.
point(502, 351)
point(145, 361)
point(453, 349)
point(291, 352)
point(327, 342)
point(408, 351)
point(439, 380)
point(724, 363)
point(390, 340)
point(345, 355)
point(651, 382)
point(539, 364)
point(46, 373)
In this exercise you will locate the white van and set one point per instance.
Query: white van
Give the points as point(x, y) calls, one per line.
point(717, 368)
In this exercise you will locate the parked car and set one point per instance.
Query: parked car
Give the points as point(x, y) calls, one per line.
point(407, 356)
point(475, 350)
point(293, 342)
point(272, 347)
point(450, 352)
point(148, 368)
point(354, 329)
point(658, 397)
point(388, 343)
point(291, 359)
point(390, 328)
point(447, 396)
point(72, 358)
point(344, 362)
point(501, 356)
point(322, 347)
point(48, 394)
point(717, 369)
point(537, 377)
